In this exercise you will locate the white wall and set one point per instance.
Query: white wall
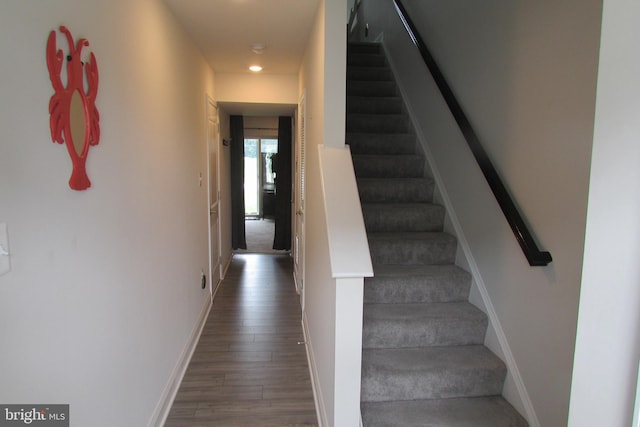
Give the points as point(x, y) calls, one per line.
point(608, 341)
point(319, 292)
point(104, 291)
point(525, 73)
point(257, 88)
point(335, 72)
point(322, 75)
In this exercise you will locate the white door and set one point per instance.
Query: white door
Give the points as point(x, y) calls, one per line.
point(213, 137)
point(298, 242)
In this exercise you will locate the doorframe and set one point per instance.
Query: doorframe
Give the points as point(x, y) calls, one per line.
point(299, 245)
point(211, 106)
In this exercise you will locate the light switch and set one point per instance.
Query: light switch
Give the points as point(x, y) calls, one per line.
point(5, 255)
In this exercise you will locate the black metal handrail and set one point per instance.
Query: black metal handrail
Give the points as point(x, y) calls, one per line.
point(352, 16)
point(535, 256)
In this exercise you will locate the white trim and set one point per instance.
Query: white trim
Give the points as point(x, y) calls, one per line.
point(636, 410)
point(348, 245)
point(212, 114)
point(321, 411)
point(510, 361)
point(160, 414)
point(225, 269)
point(299, 196)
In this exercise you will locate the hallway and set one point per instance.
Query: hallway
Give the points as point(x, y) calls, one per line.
point(259, 234)
point(248, 368)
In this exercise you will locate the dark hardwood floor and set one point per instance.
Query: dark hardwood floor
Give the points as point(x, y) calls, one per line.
point(249, 368)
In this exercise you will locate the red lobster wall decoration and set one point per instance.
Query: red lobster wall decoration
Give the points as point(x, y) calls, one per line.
point(74, 118)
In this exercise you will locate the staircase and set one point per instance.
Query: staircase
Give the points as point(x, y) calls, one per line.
point(423, 360)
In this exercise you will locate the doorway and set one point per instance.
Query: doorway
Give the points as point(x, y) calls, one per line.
point(259, 193)
point(261, 169)
point(259, 177)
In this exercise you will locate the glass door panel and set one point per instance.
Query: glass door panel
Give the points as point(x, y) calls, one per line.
point(251, 177)
point(260, 155)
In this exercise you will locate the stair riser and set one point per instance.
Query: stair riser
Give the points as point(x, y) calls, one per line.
point(420, 325)
point(371, 89)
point(369, 73)
point(395, 191)
point(398, 334)
point(414, 289)
point(383, 123)
point(371, 105)
point(492, 411)
point(365, 143)
point(370, 48)
point(412, 252)
point(388, 167)
point(366, 60)
point(412, 385)
point(400, 218)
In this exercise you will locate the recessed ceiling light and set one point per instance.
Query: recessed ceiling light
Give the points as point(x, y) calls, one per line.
point(255, 68)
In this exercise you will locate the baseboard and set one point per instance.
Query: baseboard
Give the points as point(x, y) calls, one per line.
point(224, 269)
point(321, 412)
point(510, 361)
point(296, 283)
point(226, 266)
point(161, 412)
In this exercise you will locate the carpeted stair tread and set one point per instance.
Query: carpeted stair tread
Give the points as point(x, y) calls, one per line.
point(430, 373)
point(417, 283)
point(364, 47)
point(375, 143)
point(395, 190)
point(419, 325)
point(380, 166)
point(371, 88)
point(382, 123)
point(366, 59)
point(409, 248)
point(403, 217)
point(364, 73)
point(374, 105)
point(491, 411)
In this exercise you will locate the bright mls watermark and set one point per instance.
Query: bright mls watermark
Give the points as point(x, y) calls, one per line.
point(34, 415)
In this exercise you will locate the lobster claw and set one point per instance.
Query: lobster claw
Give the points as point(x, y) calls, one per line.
point(55, 58)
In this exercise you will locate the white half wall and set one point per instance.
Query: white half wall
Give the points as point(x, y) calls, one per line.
point(104, 292)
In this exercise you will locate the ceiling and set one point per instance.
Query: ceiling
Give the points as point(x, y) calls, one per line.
point(225, 31)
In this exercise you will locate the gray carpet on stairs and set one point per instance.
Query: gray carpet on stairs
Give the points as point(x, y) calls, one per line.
point(423, 361)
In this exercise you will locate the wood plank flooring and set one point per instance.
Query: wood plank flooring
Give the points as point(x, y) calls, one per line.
point(248, 368)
